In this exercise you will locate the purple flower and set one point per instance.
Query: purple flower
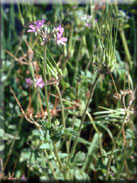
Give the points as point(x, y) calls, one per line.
point(36, 26)
point(40, 83)
point(60, 39)
point(28, 82)
point(23, 178)
point(59, 30)
point(88, 25)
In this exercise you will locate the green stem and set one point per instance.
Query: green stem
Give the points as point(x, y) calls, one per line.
point(114, 83)
point(83, 117)
point(70, 138)
point(124, 42)
point(12, 145)
point(77, 61)
point(113, 148)
point(45, 79)
point(59, 161)
point(128, 56)
point(62, 107)
point(59, 71)
point(50, 165)
point(96, 129)
point(31, 69)
point(20, 14)
point(92, 150)
point(62, 112)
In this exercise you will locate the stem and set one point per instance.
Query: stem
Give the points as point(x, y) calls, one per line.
point(122, 34)
point(83, 117)
point(20, 14)
point(58, 160)
point(124, 42)
point(51, 167)
point(62, 112)
point(77, 62)
point(92, 150)
point(114, 83)
point(62, 107)
point(59, 71)
point(96, 129)
point(45, 79)
point(12, 145)
point(50, 164)
point(40, 102)
point(70, 138)
point(114, 145)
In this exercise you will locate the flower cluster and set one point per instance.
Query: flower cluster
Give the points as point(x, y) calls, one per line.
point(38, 82)
point(59, 32)
point(37, 25)
point(46, 34)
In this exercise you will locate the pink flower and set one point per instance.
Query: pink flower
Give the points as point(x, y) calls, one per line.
point(38, 24)
point(23, 178)
point(88, 25)
point(61, 40)
point(40, 83)
point(28, 82)
point(59, 30)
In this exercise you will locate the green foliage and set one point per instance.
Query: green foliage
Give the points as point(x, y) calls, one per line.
point(81, 124)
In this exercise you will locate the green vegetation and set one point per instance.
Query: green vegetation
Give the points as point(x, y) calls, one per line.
point(69, 105)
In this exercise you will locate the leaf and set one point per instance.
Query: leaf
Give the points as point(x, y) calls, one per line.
point(91, 151)
point(92, 167)
point(2, 147)
point(45, 146)
point(130, 134)
point(99, 123)
point(70, 132)
point(1, 132)
point(9, 136)
point(12, 127)
point(80, 157)
point(25, 155)
point(114, 115)
point(80, 175)
point(35, 133)
point(62, 155)
point(81, 140)
point(70, 174)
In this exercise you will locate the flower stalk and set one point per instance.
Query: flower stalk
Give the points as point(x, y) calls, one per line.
point(46, 92)
point(83, 117)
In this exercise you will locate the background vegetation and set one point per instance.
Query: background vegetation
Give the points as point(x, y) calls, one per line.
point(82, 124)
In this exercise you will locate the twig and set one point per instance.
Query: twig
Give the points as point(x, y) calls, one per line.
point(33, 122)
